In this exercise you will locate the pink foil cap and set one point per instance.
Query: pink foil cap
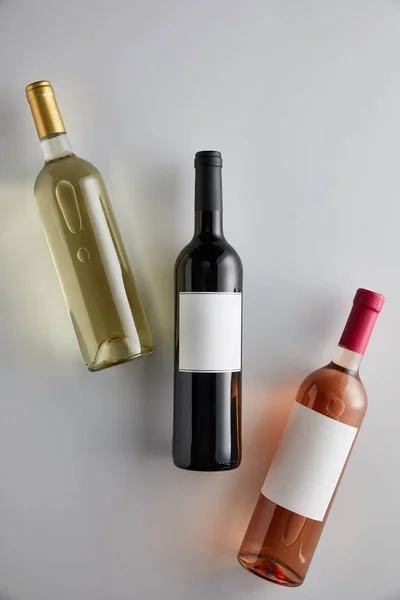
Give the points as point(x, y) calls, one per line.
point(366, 307)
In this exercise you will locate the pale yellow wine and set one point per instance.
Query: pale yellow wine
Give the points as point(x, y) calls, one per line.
point(87, 249)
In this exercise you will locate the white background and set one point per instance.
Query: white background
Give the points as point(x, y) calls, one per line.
point(303, 100)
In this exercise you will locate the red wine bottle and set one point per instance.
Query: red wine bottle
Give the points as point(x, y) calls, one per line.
point(305, 473)
point(208, 335)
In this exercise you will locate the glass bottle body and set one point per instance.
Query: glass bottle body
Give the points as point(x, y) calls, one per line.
point(91, 263)
point(279, 544)
point(207, 405)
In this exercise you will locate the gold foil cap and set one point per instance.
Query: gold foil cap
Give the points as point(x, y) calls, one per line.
point(45, 111)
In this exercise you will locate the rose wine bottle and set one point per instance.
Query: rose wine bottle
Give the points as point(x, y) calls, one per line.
point(85, 244)
point(208, 335)
point(302, 481)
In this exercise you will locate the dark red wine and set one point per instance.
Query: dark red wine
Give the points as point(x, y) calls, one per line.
point(208, 335)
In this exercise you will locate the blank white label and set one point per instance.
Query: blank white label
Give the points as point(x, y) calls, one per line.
point(210, 332)
point(308, 463)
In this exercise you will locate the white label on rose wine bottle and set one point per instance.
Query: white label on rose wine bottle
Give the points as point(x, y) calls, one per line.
point(210, 331)
point(308, 463)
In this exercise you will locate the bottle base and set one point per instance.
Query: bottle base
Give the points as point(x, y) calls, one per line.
point(270, 568)
point(215, 468)
point(107, 363)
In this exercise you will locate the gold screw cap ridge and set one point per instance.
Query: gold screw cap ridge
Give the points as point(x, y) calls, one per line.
point(44, 107)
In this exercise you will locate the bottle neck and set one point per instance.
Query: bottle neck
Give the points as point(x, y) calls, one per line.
point(347, 359)
point(358, 329)
point(208, 200)
point(209, 221)
point(56, 146)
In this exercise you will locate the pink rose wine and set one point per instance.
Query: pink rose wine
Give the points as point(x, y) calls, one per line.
point(306, 470)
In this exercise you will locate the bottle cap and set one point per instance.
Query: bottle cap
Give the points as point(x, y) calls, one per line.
point(45, 111)
point(211, 158)
point(358, 329)
point(373, 300)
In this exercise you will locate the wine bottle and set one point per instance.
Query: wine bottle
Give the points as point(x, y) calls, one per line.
point(208, 335)
point(85, 244)
point(312, 455)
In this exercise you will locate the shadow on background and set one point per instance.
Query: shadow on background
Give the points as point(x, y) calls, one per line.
point(216, 510)
point(262, 431)
point(154, 377)
point(13, 156)
point(11, 165)
point(15, 242)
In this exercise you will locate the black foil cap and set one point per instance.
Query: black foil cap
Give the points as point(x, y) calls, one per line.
point(208, 158)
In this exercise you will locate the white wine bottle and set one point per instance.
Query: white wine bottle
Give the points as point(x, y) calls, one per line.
point(85, 244)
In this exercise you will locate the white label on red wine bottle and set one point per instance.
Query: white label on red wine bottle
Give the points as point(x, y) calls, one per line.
point(308, 463)
point(210, 332)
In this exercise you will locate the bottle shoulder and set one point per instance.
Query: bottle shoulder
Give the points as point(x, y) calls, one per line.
point(209, 249)
point(336, 394)
point(68, 168)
